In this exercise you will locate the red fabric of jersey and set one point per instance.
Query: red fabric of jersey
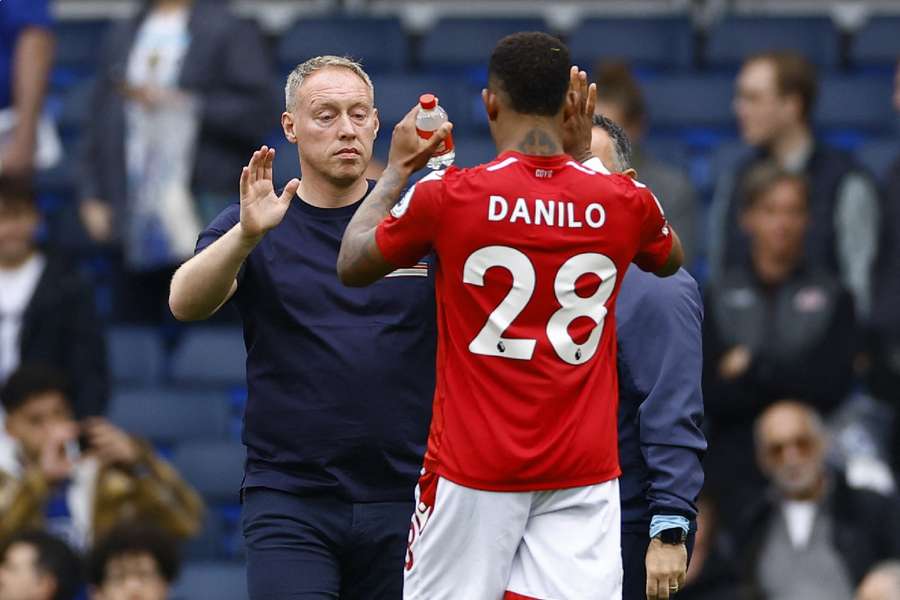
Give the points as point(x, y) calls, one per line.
point(531, 252)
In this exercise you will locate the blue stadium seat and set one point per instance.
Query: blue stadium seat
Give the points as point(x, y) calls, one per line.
point(855, 102)
point(736, 38)
point(78, 45)
point(462, 42)
point(218, 580)
point(168, 415)
point(472, 151)
point(210, 355)
point(672, 151)
point(379, 42)
point(214, 467)
point(135, 355)
point(877, 44)
point(394, 96)
point(879, 156)
point(660, 43)
point(689, 101)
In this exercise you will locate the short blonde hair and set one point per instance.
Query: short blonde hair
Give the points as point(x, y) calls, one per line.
point(307, 68)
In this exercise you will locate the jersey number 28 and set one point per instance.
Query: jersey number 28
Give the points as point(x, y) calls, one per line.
point(490, 340)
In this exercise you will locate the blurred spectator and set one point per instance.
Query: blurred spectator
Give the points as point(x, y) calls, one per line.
point(37, 566)
point(813, 537)
point(885, 322)
point(711, 574)
point(620, 98)
point(185, 90)
point(81, 494)
point(774, 102)
point(775, 327)
point(881, 583)
point(133, 562)
point(26, 52)
point(47, 310)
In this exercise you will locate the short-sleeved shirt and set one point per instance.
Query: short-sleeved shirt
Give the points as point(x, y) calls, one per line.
point(531, 252)
point(15, 16)
point(339, 379)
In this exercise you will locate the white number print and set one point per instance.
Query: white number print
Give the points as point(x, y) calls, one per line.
point(574, 306)
point(490, 340)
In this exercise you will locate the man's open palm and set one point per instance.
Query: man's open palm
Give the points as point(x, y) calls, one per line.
point(261, 208)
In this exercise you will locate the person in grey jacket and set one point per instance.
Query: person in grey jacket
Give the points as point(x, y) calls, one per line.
point(185, 91)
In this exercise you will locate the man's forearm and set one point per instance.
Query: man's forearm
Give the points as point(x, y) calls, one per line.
point(205, 282)
point(33, 57)
point(360, 261)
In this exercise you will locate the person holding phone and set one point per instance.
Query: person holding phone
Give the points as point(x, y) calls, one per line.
point(80, 479)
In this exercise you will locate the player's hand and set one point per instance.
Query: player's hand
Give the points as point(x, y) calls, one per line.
point(581, 100)
point(666, 568)
point(409, 152)
point(735, 363)
point(261, 208)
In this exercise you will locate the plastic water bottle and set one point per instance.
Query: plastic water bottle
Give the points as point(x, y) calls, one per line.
point(430, 118)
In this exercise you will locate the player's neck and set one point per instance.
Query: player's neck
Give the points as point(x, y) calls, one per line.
point(534, 136)
point(325, 193)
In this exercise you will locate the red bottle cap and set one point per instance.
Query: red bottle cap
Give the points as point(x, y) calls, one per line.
point(428, 101)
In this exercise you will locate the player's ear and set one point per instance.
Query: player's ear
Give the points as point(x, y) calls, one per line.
point(490, 103)
point(377, 122)
point(287, 124)
point(630, 172)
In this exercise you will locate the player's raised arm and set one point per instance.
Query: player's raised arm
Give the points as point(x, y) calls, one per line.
point(205, 282)
point(360, 261)
point(675, 259)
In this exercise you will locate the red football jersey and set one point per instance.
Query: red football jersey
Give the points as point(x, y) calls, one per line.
point(530, 255)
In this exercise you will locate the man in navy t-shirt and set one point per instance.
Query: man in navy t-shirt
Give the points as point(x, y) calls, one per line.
point(340, 379)
point(26, 50)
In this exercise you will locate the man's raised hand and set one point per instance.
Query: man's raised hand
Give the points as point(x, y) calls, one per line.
point(409, 152)
point(581, 101)
point(261, 209)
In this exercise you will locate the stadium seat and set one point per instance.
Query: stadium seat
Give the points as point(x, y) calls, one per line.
point(214, 467)
point(879, 156)
point(735, 38)
point(659, 43)
point(394, 96)
point(78, 44)
point(855, 102)
point(135, 355)
point(877, 44)
point(689, 101)
point(670, 150)
point(168, 415)
point(210, 356)
point(472, 151)
point(379, 42)
point(461, 42)
point(218, 580)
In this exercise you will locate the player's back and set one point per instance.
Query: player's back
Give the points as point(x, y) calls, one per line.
point(531, 251)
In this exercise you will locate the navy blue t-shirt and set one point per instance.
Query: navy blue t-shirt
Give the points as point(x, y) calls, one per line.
point(340, 379)
point(16, 15)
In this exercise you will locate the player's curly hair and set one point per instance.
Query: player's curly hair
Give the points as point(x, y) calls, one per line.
point(532, 67)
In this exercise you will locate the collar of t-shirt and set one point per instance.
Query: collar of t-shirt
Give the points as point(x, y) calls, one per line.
point(799, 517)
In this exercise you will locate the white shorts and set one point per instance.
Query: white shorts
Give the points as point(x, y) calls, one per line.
point(468, 544)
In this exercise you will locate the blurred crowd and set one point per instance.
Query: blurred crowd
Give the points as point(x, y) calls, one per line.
point(801, 331)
